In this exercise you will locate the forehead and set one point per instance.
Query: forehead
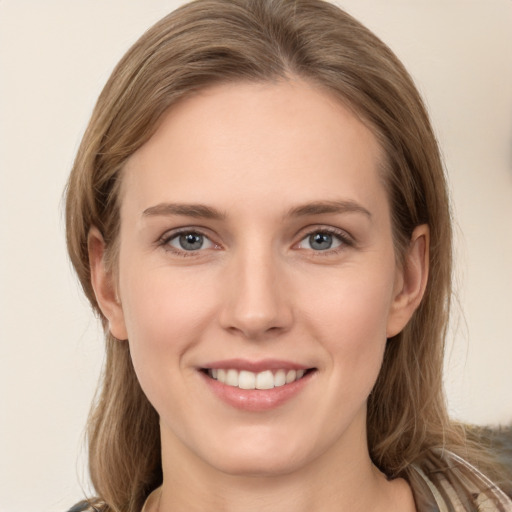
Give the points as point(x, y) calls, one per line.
point(253, 141)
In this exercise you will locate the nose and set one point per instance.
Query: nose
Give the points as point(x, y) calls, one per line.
point(257, 303)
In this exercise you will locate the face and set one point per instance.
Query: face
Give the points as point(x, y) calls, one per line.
point(257, 279)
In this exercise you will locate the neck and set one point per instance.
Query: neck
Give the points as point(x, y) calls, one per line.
point(343, 476)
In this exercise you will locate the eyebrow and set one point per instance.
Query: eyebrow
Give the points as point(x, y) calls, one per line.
point(323, 207)
point(199, 211)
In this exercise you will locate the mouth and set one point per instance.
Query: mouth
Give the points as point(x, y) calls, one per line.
point(256, 385)
point(263, 380)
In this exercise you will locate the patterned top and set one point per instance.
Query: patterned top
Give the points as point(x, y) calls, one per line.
point(457, 487)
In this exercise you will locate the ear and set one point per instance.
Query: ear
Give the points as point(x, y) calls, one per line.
point(411, 281)
point(105, 286)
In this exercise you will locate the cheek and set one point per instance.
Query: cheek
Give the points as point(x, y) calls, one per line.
point(349, 317)
point(158, 302)
point(355, 304)
point(165, 315)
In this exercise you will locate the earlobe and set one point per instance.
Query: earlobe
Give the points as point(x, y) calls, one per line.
point(104, 285)
point(412, 283)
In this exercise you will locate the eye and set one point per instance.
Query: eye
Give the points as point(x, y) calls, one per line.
point(322, 240)
point(189, 241)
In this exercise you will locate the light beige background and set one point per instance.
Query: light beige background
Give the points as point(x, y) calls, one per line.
point(55, 55)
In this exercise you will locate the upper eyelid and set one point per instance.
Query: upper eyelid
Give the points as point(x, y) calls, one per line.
point(304, 232)
point(163, 242)
point(172, 233)
point(341, 233)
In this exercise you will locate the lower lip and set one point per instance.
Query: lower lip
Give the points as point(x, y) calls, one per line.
point(257, 399)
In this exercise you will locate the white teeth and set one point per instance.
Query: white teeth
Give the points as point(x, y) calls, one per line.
point(249, 380)
point(232, 378)
point(279, 378)
point(246, 380)
point(265, 380)
point(291, 376)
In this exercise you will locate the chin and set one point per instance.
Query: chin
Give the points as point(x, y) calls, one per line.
point(259, 457)
point(246, 465)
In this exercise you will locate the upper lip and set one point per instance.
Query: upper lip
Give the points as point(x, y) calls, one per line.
point(255, 366)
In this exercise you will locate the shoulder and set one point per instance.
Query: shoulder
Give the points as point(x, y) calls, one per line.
point(445, 482)
point(88, 506)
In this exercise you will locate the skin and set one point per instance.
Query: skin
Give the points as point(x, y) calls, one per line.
point(257, 289)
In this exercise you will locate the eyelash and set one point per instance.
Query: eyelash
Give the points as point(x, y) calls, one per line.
point(165, 240)
point(344, 239)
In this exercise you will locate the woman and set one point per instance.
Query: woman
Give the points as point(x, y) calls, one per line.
point(258, 213)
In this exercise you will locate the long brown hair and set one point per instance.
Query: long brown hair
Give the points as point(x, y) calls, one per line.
point(208, 42)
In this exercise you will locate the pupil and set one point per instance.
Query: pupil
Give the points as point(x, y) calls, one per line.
point(320, 241)
point(191, 241)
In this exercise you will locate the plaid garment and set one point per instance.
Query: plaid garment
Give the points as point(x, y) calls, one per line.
point(447, 483)
point(444, 483)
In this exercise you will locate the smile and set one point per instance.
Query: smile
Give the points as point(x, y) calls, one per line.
point(244, 379)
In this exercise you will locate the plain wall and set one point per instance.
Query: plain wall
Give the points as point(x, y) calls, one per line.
point(54, 58)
